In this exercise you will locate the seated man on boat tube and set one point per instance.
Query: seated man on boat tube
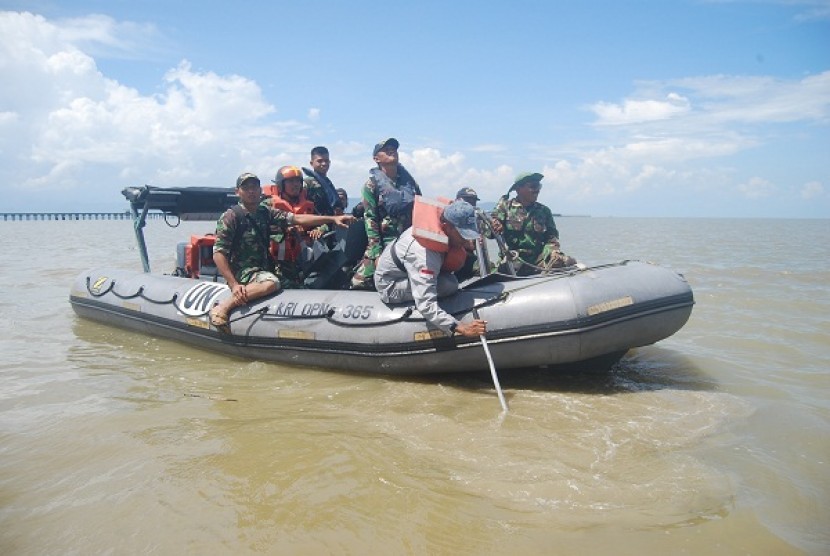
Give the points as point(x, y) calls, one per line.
point(415, 268)
point(528, 228)
point(242, 248)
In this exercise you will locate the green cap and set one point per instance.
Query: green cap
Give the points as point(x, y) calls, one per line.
point(526, 177)
point(245, 177)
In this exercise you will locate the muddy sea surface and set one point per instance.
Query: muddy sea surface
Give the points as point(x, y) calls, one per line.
point(713, 441)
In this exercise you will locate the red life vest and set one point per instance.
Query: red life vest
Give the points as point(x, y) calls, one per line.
point(290, 248)
point(428, 231)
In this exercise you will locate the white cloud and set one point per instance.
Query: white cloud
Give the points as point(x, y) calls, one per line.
point(669, 134)
point(751, 100)
point(812, 190)
point(429, 161)
point(206, 99)
point(637, 111)
point(441, 175)
point(710, 102)
point(183, 134)
point(679, 149)
point(814, 10)
point(649, 174)
point(102, 36)
point(72, 125)
point(646, 163)
point(489, 148)
point(65, 124)
point(757, 188)
point(805, 10)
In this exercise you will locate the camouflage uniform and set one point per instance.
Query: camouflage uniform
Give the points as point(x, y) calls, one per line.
point(381, 227)
point(532, 233)
point(316, 193)
point(290, 275)
point(251, 251)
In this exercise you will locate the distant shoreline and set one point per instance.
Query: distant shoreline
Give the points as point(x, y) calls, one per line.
point(62, 216)
point(125, 215)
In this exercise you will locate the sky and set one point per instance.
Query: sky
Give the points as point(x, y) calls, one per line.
point(663, 108)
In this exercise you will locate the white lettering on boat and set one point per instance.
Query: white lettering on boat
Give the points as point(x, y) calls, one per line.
point(199, 299)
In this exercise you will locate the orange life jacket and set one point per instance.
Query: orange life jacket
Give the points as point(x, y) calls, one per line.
point(290, 248)
point(427, 230)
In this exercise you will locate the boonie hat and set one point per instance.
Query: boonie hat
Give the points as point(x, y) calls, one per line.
point(380, 146)
point(526, 177)
point(462, 215)
point(245, 177)
point(465, 192)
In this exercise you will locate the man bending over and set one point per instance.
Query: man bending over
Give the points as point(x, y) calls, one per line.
point(408, 270)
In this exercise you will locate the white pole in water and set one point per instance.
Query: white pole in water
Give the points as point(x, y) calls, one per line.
point(492, 368)
point(493, 373)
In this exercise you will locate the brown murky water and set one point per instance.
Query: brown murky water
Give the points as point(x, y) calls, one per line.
point(713, 441)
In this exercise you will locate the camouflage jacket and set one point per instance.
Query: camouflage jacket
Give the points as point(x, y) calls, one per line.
point(530, 231)
point(249, 253)
point(379, 222)
point(323, 195)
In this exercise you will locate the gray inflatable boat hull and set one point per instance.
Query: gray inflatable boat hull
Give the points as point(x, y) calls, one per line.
point(582, 315)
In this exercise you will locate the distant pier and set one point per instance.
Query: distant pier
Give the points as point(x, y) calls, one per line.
point(73, 215)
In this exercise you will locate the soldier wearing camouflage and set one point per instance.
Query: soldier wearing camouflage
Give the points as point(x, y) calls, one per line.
point(528, 227)
point(388, 197)
point(318, 187)
point(249, 254)
point(241, 249)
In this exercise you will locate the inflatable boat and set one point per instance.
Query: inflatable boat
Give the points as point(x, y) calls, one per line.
point(572, 316)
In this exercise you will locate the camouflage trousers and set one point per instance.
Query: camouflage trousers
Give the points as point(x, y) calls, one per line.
point(551, 258)
point(364, 273)
point(289, 274)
